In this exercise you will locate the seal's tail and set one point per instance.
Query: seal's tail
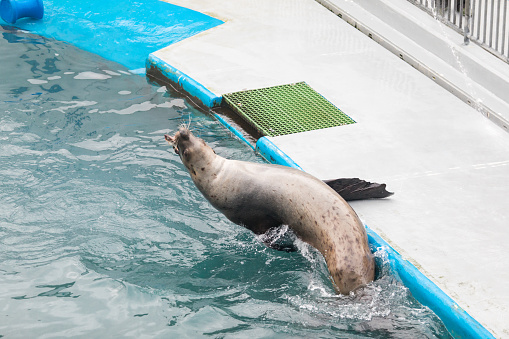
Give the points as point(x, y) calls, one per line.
point(357, 189)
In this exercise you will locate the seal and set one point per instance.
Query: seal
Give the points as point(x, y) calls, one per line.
point(263, 196)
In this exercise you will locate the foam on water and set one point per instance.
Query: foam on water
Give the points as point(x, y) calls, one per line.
point(103, 233)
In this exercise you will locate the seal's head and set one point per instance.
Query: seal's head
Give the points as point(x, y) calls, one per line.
point(192, 150)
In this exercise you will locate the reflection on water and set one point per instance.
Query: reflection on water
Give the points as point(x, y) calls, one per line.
point(103, 234)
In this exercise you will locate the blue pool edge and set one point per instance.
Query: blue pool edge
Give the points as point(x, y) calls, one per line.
point(457, 321)
point(184, 82)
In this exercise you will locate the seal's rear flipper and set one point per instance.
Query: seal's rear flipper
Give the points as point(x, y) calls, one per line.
point(357, 189)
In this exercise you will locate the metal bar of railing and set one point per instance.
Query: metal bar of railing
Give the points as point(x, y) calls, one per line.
point(472, 16)
point(483, 21)
point(466, 28)
point(479, 22)
point(452, 13)
point(460, 14)
point(504, 21)
point(498, 25)
point(492, 17)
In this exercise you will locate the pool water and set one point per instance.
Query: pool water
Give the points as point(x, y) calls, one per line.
point(103, 234)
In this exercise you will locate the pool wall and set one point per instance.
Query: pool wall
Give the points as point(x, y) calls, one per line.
point(184, 82)
point(459, 323)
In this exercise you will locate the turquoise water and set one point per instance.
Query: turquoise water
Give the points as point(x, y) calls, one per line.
point(103, 234)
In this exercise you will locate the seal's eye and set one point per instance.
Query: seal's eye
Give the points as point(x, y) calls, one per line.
point(176, 149)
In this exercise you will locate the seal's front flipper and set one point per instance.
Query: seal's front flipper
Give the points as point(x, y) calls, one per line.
point(281, 247)
point(357, 189)
point(279, 238)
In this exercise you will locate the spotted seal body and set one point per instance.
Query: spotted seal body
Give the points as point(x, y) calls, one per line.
point(261, 196)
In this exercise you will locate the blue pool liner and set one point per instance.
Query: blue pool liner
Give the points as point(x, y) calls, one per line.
point(122, 31)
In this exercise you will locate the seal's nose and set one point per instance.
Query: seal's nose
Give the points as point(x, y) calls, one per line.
point(169, 138)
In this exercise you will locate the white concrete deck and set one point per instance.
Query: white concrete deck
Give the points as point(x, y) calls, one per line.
point(446, 162)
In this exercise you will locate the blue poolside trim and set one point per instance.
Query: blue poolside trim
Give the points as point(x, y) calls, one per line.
point(457, 321)
point(273, 154)
point(233, 130)
point(185, 82)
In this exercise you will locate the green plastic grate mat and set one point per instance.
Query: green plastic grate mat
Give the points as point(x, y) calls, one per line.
point(286, 109)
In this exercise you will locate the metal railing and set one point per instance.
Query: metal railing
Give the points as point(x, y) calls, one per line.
point(485, 22)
